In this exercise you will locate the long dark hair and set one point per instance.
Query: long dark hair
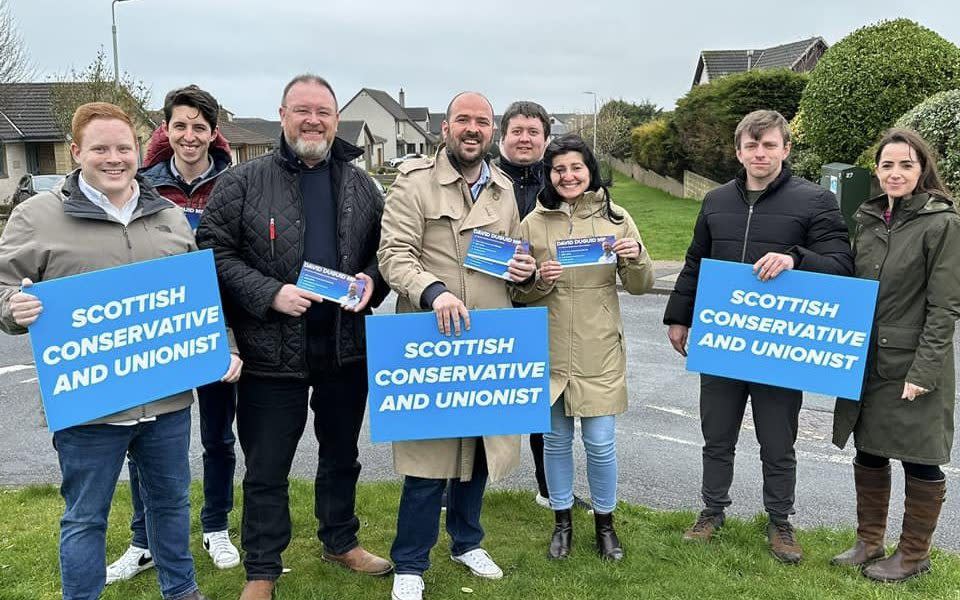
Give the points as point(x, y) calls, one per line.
point(574, 143)
point(929, 181)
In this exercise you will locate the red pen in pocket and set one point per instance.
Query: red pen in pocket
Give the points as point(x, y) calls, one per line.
point(273, 235)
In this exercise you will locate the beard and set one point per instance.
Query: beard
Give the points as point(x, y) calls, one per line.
point(311, 151)
point(464, 160)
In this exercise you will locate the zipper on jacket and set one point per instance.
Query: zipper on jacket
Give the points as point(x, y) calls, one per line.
point(126, 236)
point(746, 234)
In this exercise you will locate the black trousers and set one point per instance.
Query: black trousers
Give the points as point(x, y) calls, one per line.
point(775, 418)
point(915, 470)
point(536, 449)
point(271, 416)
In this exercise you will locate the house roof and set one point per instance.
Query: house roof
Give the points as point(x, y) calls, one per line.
point(26, 113)
point(264, 127)
point(718, 63)
point(241, 136)
point(418, 113)
point(435, 120)
point(396, 111)
point(350, 131)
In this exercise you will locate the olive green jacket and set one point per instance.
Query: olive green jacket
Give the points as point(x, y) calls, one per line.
point(917, 262)
point(587, 353)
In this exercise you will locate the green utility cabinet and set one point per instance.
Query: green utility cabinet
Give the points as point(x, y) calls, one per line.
point(850, 184)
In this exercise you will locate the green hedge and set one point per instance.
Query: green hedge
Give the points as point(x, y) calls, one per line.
point(707, 116)
point(656, 147)
point(869, 79)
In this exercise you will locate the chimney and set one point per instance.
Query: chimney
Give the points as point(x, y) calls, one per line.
point(749, 60)
point(402, 99)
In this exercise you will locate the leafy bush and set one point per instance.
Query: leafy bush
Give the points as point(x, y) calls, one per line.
point(708, 115)
point(868, 79)
point(804, 160)
point(656, 147)
point(937, 119)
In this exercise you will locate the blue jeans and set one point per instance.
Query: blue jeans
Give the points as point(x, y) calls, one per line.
point(218, 405)
point(599, 442)
point(418, 518)
point(91, 457)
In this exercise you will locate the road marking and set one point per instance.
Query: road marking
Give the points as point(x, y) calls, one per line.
point(14, 369)
point(667, 438)
point(673, 411)
point(31, 380)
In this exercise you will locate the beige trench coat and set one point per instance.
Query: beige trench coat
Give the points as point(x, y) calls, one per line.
point(428, 222)
point(587, 354)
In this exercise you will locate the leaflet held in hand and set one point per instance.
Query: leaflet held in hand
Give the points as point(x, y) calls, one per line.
point(490, 253)
point(580, 252)
point(330, 284)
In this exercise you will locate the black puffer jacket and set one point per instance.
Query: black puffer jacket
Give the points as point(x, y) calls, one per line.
point(527, 183)
point(793, 216)
point(236, 225)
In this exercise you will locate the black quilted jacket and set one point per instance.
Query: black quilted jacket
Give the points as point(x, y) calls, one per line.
point(236, 225)
point(793, 216)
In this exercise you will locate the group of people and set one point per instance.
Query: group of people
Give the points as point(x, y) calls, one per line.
point(308, 201)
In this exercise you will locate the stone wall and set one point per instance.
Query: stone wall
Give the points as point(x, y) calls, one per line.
point(696, 186)
point(648, 177)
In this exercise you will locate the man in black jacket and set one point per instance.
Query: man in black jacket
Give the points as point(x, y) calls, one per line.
point(303, 202)
point(777, 222)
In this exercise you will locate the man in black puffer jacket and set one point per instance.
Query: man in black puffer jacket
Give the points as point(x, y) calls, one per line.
point(777, 222)
point(303, 202)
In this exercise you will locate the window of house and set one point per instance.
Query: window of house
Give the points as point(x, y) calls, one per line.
point(3, 161)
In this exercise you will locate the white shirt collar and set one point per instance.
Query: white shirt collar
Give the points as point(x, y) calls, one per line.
point(122, 215)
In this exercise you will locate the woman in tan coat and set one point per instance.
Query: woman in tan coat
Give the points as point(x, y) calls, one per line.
point(908, 239)
point(587, 358)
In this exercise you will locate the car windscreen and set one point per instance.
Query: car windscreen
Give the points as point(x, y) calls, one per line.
point(45, 182)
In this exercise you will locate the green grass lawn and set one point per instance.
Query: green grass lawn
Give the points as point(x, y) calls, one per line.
point(665, 221)
point(657, 565)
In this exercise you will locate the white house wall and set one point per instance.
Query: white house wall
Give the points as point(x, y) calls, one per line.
point(16, 168)
point(380, 122)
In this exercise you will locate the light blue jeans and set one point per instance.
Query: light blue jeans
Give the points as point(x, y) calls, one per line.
point(599, 441)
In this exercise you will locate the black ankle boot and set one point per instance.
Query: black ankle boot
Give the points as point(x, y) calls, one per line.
point(608, 544)
point(562, 534)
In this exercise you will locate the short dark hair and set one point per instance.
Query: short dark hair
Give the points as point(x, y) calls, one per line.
point(574, 143)
point(194, 97)
point(307, 78)
point(525, 108)
point(755, 123)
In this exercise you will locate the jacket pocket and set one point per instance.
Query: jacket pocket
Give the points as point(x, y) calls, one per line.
point(896, 346)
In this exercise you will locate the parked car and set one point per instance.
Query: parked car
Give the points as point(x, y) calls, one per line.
point(30, 185)
point(395, 162)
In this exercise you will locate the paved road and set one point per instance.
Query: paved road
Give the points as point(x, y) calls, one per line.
point(659, 439)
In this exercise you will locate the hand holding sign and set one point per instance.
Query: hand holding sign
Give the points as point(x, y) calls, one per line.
point(293, 301)
point(24, 307)
point(772, 264)
point(449, 309)
point(678, 338)
point(233, 372)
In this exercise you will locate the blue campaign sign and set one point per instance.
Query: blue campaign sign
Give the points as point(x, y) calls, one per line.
point(117, 338)
point(491, 380)
point(800, 330)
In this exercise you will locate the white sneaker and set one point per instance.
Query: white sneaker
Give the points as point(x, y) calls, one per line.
point(134, 560)
point(218, 545)
point(479, 563)
point(542, 500)
point(407, 587)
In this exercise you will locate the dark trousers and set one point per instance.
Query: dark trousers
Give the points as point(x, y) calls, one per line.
point(418, 518)
point(915, 470)
point(536, 449)
point(218, 405)
point(271, 416)
point(775, 418)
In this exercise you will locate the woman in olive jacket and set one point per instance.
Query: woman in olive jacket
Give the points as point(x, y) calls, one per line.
point(908, 239)
point(587, 358)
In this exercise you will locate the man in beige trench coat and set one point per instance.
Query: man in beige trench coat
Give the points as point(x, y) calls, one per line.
point(428, 222)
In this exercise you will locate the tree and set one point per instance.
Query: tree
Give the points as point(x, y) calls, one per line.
point(15, 65)
point(615, 120)
point(707, 116)
point(95, 84)
point(869, 79)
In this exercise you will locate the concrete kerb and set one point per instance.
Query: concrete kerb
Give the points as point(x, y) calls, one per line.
point(665, 273)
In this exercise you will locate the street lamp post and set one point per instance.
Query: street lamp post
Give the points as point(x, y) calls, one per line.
point(594, 121)
point(116, 59)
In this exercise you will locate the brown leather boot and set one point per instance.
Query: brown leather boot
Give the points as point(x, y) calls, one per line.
point(921, 511)
point(873, 500)
point(359, 560)
point(708, 522)
point(783, 542)
point(258, 589)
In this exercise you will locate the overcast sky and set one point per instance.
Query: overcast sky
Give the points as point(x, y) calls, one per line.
point(244, 51)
